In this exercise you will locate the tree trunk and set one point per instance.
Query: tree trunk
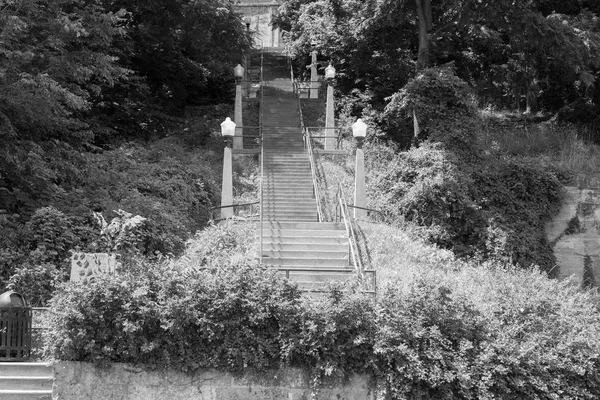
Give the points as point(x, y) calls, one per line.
point(425, 26)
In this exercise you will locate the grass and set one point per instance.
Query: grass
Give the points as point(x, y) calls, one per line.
point(566, 146)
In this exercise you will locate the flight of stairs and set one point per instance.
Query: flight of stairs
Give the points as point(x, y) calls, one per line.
point(308, 251)
point(26, 381)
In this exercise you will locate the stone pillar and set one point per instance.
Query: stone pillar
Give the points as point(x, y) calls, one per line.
point(359, 181)
point(238, 141)
point(329, 119)
point(227, 188)
point(314, 85)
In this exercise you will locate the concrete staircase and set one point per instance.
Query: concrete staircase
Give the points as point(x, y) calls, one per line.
point(26, 381)
point(308, 251)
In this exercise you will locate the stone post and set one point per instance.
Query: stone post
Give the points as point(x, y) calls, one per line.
point(238, 141)
point(227, 188)
point(359, 180)
point(314, 85)
point(329, 117)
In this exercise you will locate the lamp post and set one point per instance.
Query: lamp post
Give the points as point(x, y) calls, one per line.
point(228, 132)
point(359, 131)
point(329, 117)
point(249, 55)
point(238, 72)
point(314, 86)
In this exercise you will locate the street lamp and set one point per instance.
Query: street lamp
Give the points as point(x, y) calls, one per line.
point(314, 84)
point(238, 73)
point(228, 132)
point(359, 131)
point(329, 117)
point(329, 72)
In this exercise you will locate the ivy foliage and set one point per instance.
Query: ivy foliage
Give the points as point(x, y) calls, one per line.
point(443, 106)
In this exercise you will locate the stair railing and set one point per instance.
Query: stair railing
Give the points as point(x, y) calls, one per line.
point(313, 172)
point(342, 207)
point(262, 148)
point(308, 145)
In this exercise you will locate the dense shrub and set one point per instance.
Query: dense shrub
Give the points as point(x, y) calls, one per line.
point(443, 106)
point(226, 318)
point(37, 282)
point(428, 342)
point(488, 207)
point(484, 332)
point(333, 335)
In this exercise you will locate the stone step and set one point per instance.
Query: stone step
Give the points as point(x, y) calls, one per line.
point(26, 369)
point(283, 173)
point(282, 187)
point(287, 189)
point(300, 262)
point(280, 217)
point(274, 246)
point(26, 394)
point(290, 211)
point(284, 240)
point(297, 195)
point(291, 217)
point(26, 382)
point(301, 196)
point(298, 179)
point(286, 160)
point(311, 226)
point(290, 205)
point(284, 204)
point(306, 254)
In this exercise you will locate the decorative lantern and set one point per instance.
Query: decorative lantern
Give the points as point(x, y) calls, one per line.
point(330, 72)
point(238, 72)
point(359, 131)
point(228, 128)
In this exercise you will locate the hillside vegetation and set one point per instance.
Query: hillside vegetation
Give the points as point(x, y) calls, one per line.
point(478, 114)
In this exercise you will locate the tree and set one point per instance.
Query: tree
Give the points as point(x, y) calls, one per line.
point(520, 54)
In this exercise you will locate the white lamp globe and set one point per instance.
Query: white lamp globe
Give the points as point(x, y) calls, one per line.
point(330, 72)
point(359, 129)
point(228, 127)
point(238, 71)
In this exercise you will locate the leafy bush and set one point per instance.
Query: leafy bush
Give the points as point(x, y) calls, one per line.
point(485, 206)
point(51, 234)
point(225, 318)
point(332, 335)
point(428, 342)
point(443, 106)
point(37, 282)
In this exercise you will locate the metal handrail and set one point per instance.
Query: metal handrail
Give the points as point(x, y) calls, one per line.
point(234, 206)
point(352, 240)
point(262, 148)
point(313, 172)
point(337, 137)
point(308, 146)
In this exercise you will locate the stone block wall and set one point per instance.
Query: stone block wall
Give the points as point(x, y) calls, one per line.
point(575, 233)
point(259, 13)
point(76, 381)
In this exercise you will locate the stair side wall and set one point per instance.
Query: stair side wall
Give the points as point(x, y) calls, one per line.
point(76, 380)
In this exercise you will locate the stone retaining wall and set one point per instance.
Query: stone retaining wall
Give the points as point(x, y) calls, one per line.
point(76, 381)
point(574, 233)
